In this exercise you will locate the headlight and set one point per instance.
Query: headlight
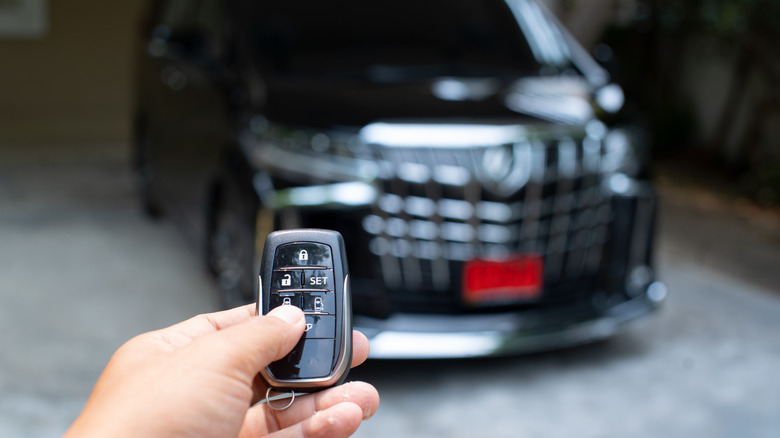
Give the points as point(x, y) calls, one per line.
point(306, 155)
point(620, 153)
point(620, 163)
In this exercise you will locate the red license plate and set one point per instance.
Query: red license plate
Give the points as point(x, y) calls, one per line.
point(510, 280)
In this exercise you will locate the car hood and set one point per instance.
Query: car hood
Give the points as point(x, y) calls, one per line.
point(322, 103)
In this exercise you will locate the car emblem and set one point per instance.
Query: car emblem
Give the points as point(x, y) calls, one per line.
point(506, 169)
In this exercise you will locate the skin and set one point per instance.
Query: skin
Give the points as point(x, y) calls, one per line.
point(199, 378)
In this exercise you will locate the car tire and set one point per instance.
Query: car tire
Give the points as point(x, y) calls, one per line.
point(231, 247)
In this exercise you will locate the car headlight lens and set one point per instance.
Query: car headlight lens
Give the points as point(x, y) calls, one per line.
point(307, 155)
point(620, 153)
point(620, 163)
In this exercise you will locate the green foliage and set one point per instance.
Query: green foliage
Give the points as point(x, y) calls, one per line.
point(728, 19)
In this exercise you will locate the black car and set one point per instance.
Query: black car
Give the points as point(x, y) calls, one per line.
point(460, 146)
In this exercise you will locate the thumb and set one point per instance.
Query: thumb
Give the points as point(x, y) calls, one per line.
point(252, 344)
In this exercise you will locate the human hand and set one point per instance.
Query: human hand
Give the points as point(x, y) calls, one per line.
point(199, 378)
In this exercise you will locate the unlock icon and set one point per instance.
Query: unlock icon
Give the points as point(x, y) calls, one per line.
point(287, 280)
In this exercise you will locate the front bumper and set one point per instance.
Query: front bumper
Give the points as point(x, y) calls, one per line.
point(429, 336)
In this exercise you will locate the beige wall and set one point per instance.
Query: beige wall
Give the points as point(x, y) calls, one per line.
point(74, 84)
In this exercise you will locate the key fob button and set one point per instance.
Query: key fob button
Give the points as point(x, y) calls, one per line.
point(285, 298)
point(319, 302)
point(311, 358)
point(282, 280)
point(320, 326)
point(303, 254)
point(319, 279)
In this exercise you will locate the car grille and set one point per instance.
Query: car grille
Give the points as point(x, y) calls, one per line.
point(439, 207)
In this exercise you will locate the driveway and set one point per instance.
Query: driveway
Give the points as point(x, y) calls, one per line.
point(81, 271)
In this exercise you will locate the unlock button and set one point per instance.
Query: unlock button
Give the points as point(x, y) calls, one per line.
point(286, 280)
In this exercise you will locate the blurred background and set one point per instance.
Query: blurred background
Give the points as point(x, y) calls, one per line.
point(82, 270)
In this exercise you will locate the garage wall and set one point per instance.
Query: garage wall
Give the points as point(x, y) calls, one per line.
point(73, 85)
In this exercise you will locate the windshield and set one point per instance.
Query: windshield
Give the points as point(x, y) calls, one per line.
point(363, 60)
point(439, 36)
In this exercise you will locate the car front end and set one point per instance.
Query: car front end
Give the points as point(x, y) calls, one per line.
point(473, 239)
point(487, 206)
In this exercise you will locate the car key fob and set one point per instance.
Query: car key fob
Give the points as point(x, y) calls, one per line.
point(307, 268)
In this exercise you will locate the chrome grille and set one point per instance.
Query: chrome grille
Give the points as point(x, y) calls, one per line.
point(438, 207)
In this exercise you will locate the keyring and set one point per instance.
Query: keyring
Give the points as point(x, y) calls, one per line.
point(268, 400)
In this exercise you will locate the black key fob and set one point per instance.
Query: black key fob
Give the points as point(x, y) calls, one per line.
point(307, 268)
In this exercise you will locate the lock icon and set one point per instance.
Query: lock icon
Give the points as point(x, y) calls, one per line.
point(287, 301)
point(303, 255)
point(286, 280)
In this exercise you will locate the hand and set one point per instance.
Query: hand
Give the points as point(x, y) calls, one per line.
point(199, 378)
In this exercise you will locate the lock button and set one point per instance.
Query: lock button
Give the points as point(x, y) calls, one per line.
point(303, 254)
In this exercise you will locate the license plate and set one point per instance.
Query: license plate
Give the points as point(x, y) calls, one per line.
point(510, 280)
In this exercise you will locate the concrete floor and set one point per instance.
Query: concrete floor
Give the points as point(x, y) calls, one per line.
point(81, 271)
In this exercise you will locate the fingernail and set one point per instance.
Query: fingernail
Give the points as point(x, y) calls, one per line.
point(288, 314)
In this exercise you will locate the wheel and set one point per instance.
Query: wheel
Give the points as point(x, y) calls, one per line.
point(142, 171)
point(231, 248)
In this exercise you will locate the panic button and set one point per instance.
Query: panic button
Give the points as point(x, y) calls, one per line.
point(311, 358)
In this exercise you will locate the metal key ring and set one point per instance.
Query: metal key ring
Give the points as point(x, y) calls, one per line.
point(269, 400)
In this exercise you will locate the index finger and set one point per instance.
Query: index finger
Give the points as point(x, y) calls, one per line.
point(206, 323)
point(212, 322)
